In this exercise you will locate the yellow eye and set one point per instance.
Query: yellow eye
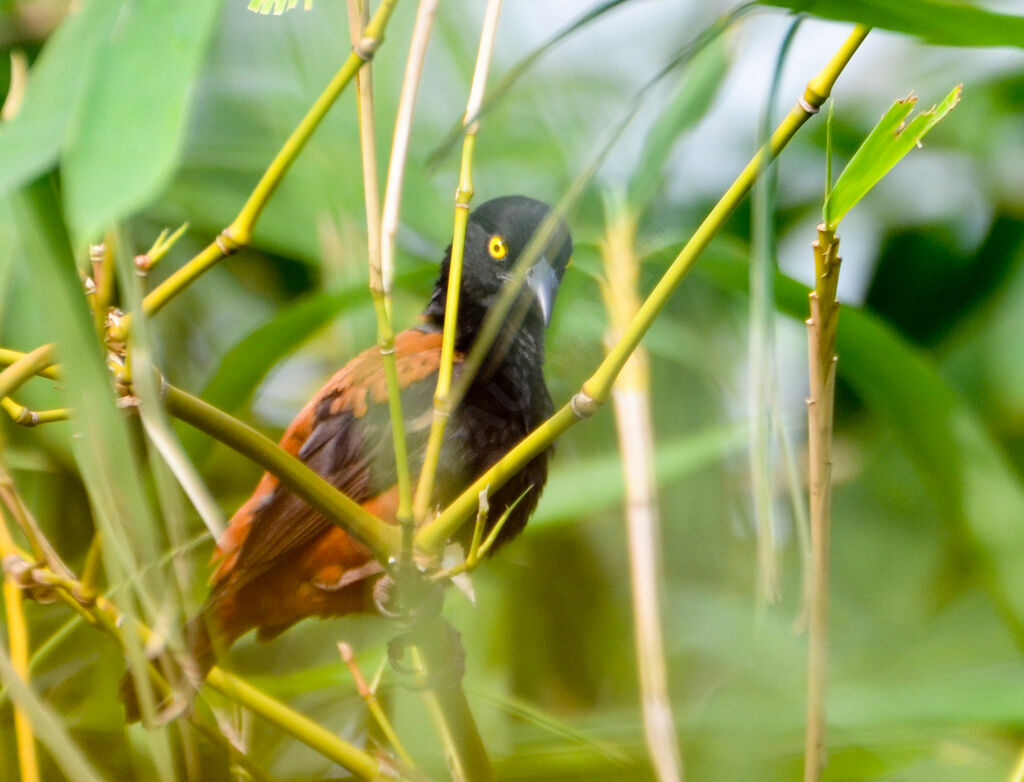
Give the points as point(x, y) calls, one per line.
point(497, 248)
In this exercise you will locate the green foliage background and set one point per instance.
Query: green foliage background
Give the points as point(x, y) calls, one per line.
point(158, 113)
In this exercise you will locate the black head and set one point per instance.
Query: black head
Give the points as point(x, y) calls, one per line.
point(496, 236)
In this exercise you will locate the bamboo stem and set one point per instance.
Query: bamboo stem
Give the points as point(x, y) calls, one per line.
point(310, 733)
point(632, 410)
point(17, 635)
point(8, 357)
point(381, 296)
point(816, 93)
point(631, 397)
point(432, 535)
point(821, 334)
point(22, 416)
point(381, 537)
point(23, 367)
point(463, 195)
point(389, 228)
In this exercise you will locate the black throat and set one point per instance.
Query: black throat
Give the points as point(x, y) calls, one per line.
point(520, 341)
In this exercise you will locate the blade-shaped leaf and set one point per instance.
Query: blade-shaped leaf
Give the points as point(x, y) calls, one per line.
point(30, 142)
point(126, 136)
point(103, 446)
point(937, 21)
point(891, 139)
point(276, 7)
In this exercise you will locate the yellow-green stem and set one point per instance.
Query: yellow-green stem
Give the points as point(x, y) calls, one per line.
point(310, 733)
point(17, 635)
point(24, 367)
point(8, 357)
point(442, 399)
point(22, 416)
point(102, 258)
point(463, 195)
point(816, 93)
point(381, 537)
point(432, 535)
point(239, 232)
point(386, 342)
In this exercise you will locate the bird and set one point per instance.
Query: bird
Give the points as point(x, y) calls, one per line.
point(279, 560)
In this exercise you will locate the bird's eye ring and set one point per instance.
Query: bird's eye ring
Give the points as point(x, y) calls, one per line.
point(497, 248)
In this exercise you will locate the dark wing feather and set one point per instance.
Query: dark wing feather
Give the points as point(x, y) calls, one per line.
point(344, 434)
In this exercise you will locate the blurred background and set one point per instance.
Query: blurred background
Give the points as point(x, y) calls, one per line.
point(927, 551)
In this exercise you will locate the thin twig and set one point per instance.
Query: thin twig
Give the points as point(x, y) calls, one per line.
point(41, 547)
point(400, 143)
point(373, 705)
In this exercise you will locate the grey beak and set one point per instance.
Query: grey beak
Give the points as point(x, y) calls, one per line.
point(543, 281)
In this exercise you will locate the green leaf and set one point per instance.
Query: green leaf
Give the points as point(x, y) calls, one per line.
point(891, 139)
point(125, 138)
point(30, 143)
point(277, 7)
point(698, 87)
point(954, 454)
point(103, 446)
point(592, 485)
point(937, 21)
